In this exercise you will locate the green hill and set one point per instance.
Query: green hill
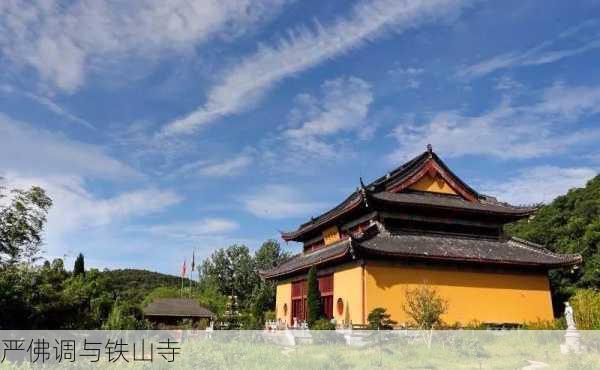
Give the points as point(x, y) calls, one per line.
point(570, 224)
point(133, 285)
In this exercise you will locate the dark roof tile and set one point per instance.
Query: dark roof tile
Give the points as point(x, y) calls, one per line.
point(449, 201)
point(176, 307)
point(305, 260)
point(444, 247)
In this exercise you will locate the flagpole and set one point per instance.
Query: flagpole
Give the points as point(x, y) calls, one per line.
point(192, 267)
point(183, 268)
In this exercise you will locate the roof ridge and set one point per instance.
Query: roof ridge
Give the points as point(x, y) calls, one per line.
point(526, 244)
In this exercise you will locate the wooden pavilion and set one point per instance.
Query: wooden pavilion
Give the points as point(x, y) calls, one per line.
point(173, 313)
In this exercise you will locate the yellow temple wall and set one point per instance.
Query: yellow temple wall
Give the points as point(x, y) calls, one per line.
point(283, 296)
point(348, 285)
point(486, 297)
point(434, 185)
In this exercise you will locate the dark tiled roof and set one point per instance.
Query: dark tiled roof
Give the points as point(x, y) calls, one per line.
point(349, 203)
point(410, 168)
point(395, 177)
point(452, 248)
point(448, 201)
point(176, 307)
point(512, 251)
point(306, 260)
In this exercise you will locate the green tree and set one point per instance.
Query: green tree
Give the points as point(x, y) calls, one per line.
point(79, 266)
point(569, 224)
point(211, 298)
point(233, 270)
point(269, 255)
point(380, 319)
point(313, 297)
point(425, 307)
point(125, 316)
point(266, 257)
point(22, 220)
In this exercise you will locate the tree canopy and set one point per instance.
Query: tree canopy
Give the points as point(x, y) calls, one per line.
point(570, 224)
point(79, 266)
point(22, 219)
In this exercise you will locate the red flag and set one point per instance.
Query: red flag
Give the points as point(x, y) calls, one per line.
point(183, 269)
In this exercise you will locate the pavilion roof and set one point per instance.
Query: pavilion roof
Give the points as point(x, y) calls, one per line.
point(428, 247)
point(450, 202)
point(178, 307)
point(388, 189)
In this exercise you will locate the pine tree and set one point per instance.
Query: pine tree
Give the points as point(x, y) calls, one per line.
point(79, 267)
point(313, 297)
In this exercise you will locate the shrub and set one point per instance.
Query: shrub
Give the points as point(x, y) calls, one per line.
point(586, 309)
point(313, 297)
point(323, 324)
point(425, 307)
point(379, 319)
point(544, 325)
point(270, 315)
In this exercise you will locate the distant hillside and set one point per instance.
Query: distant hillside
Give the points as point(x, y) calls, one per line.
point(133, 285)
point(570, 224)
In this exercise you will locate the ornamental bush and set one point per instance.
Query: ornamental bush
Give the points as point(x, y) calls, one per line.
point(380, 319)
point(425, 307)
point(586, 309)
point(323, 324)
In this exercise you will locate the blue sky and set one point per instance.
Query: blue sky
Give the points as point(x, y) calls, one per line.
point(163, 126)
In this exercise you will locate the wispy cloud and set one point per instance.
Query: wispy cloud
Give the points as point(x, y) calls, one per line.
point(341, 107)
point(278, 202)
point(508, 130)
point(49, 104)
point(539, 184)
point(245, 83)
point(206, 227)
point(543, 53)
point(38, 152)
point(61, 40)
point(75, 208)
point(229, 167)
point(408, 77)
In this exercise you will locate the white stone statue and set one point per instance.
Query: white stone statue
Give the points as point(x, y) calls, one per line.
point(569, 316)
point(572, 336)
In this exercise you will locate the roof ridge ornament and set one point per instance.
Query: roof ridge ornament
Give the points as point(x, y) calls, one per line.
point(429, 148)
point(363, 191)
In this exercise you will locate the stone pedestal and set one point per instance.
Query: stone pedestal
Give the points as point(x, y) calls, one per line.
point(572, 342)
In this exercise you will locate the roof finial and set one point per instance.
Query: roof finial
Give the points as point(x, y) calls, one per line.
point(362, 184)
point(429, 148)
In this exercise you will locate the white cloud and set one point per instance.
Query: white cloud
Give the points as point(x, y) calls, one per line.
point(248, 81)
point(32, 151)
point(539, 184)
point(407, 77)
point(509, 84)
point(75, 208)
point(279, 201)
point(230, 167)
point(540, 54)
point(570, 102)
point(507, 131)
point(341, 107)
point(207, 227)
point(61, 40)
point(31, 156)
